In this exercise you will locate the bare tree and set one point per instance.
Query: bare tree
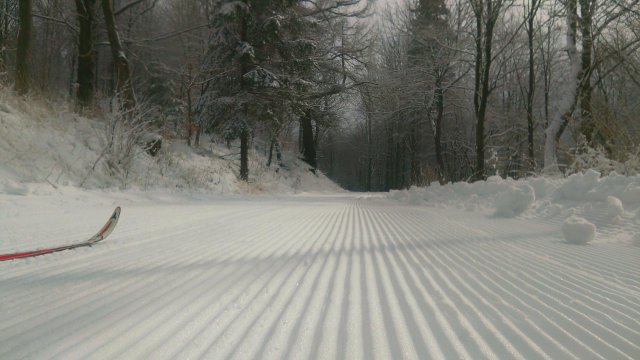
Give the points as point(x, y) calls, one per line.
point(121, 62)
point(487, 14)
point(86, 51)
point(24, 47)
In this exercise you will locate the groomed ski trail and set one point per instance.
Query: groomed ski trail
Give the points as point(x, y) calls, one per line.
point(323, 277)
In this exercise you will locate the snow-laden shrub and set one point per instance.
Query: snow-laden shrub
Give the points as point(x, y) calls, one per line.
point(577, 230)
point(632, 164)
point(586, 157)
point(515, 200)
point(124, 139)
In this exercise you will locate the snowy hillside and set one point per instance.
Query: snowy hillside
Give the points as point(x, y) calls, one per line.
point(46, 143)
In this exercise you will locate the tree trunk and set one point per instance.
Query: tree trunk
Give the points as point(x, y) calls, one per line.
point(532, 85)
point(557, 126)
point(24, 47)
point(414, 161)
point(244, 134)
point(477, 95)
point(439, 95)
point(476, 92)
point(244, 154)
point(122, 67)
point(587, 123)
point(369, 153)
point(86, 53)
point(4, 16)
point(308, 147)
point(389, 178)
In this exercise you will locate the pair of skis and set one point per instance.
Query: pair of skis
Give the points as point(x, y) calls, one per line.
point(101, 235)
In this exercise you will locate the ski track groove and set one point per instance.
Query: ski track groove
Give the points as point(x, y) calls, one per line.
point(523, 276)
point(188, 258)
point(479, 328)
point(236, 296)
point(422, 295)
point(606, 263)
point(130, 352)
point(83, 261)
point(224, 333)
point(280, 299)
point(607, 270)
point(338, 278)
point(485, 299)
point(408, 304)
point(463, 259)
point(579, 286)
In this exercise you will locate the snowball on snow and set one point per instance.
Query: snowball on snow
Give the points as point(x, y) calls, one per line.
point(515, 200)
point(577, 230)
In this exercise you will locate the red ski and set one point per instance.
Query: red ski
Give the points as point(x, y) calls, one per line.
point(101, 235)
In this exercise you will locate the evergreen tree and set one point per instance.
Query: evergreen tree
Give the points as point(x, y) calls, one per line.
point(244, 66)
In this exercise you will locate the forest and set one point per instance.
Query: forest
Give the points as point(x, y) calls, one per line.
point(375, 95)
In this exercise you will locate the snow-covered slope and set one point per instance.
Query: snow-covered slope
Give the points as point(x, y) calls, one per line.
point(46, 143)
point(609, 205)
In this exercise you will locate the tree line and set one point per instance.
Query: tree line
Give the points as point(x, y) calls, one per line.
point(468, 89)
point(430, 90)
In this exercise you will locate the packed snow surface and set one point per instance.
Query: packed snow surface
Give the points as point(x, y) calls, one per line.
point(342, 276)
point(203, 266)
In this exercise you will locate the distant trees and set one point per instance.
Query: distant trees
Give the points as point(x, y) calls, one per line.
point(434, 91)
point(268, 65)
point(509, 88)
point(24, 47)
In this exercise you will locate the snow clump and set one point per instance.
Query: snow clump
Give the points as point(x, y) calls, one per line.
point(515, 200)
point(577, 230)
point(578, 187)
point(613, 209)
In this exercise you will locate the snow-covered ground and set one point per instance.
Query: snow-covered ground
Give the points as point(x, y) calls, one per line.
point(289, 266)
point(350, 276)
point(47, 143)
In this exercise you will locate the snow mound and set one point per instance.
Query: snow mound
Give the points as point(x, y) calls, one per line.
point(13, 188)
point(579, 186)
point(614, 209)
point(577, 230)
point(611, 203)
point(515, 200)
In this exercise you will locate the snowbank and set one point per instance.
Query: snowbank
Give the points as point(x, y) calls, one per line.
point(609, 202)
point(45, 143)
